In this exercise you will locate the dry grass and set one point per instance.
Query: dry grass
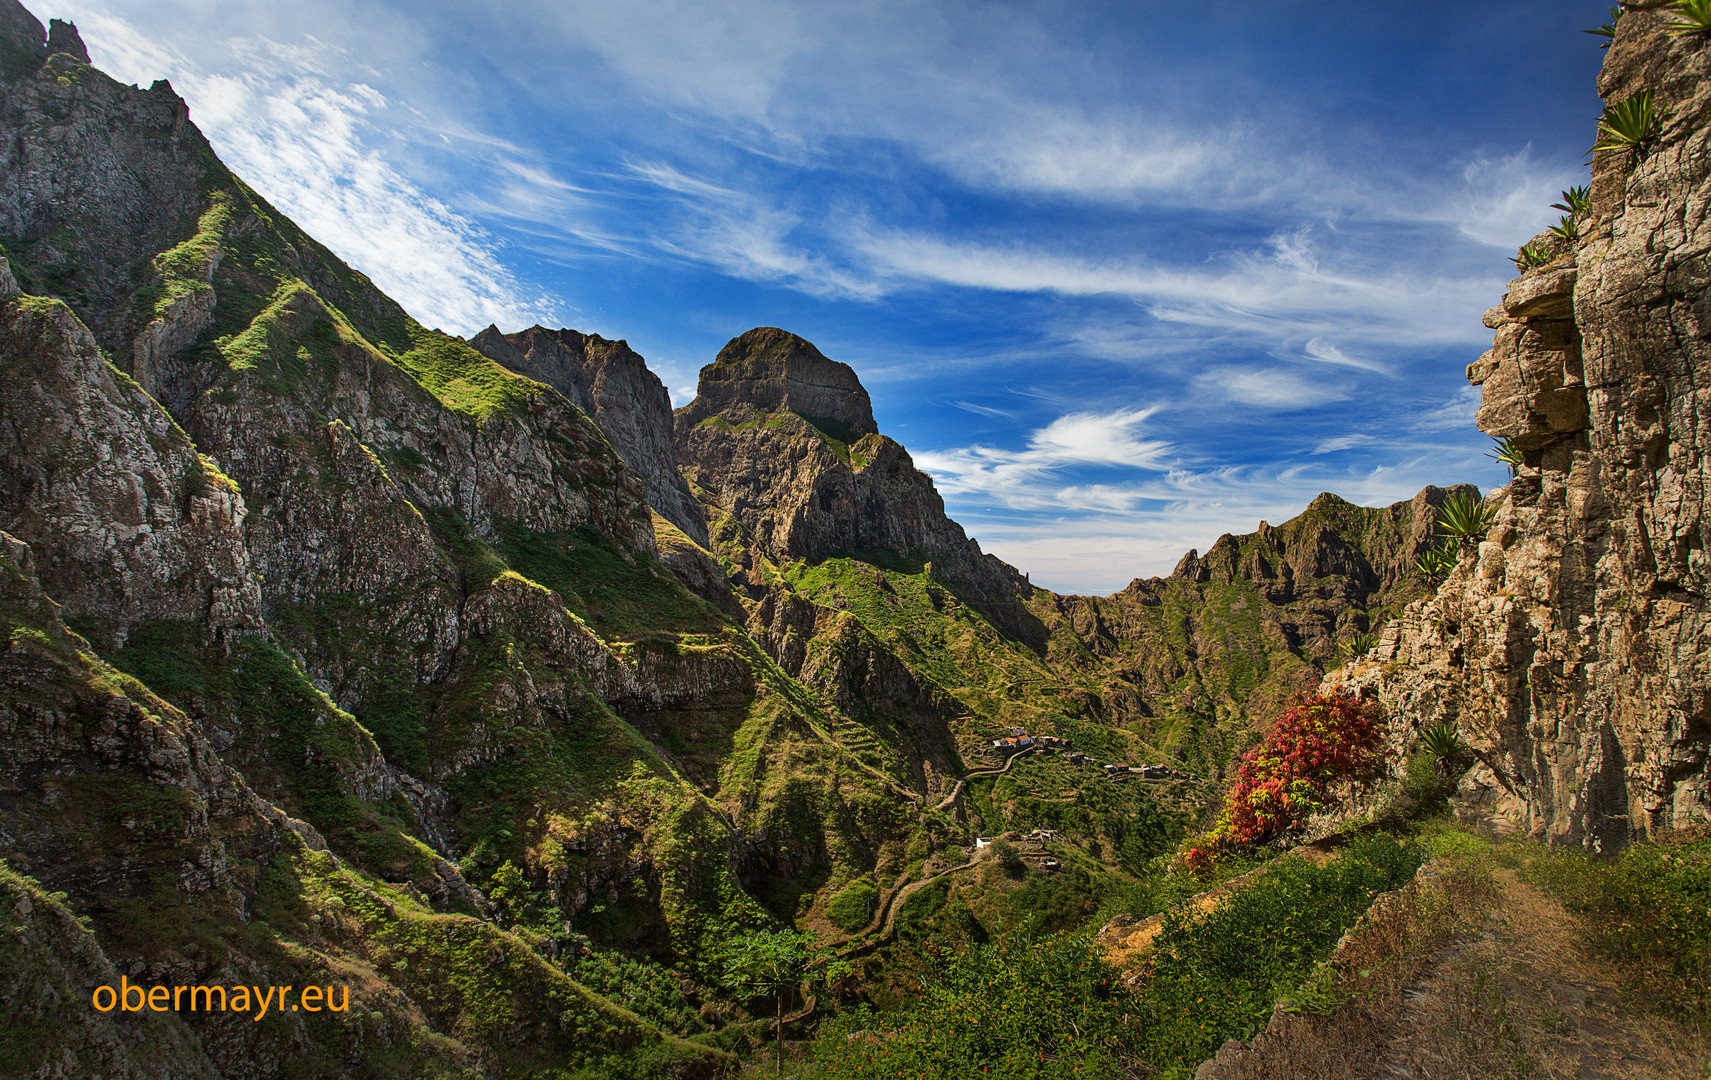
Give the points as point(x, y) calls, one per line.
point(1475, 974)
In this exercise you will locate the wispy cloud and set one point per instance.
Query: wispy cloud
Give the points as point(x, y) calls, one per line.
point(307, 143)
point(1080, 438)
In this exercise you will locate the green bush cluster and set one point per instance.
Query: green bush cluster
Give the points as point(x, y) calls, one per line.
point(1217, 977)
point(650, 990)
point(852, 907)
point(1649, 910)
point(1045, 1007)
point(1018, 1006)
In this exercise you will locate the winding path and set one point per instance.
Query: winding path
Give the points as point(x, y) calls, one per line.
point(979, 774)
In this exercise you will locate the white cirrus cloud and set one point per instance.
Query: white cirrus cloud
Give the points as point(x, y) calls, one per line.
point(306, 141)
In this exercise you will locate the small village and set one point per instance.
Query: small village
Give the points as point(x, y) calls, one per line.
point(1019, 742)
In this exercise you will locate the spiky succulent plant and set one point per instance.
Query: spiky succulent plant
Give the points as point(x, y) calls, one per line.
point(1508, 453)
point(1359, 645)
point(1531, 255)
point(1441, 741)
point(1691, 17)
point(1465, 517)
point(1576, 201)
point(1439, 560)
point(1608, 30)
point(1630, 124)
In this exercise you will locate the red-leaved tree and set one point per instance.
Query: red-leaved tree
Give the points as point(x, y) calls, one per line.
point(1319, 740)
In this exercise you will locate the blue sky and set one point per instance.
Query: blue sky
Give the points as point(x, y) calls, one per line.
point(1122, 276)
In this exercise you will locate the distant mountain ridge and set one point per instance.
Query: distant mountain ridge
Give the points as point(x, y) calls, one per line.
point(342, 649)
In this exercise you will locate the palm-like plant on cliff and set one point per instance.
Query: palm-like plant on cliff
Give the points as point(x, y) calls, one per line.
point(1508, 453)
point(1359, 645)
point(1576, 201)
point(1608, 30)
point(1691, 17)
point(1631, 124)
point(1441, 741)
point(1465, 518)
point(1567, 229)
point(1531, 255)
point(1439, 560)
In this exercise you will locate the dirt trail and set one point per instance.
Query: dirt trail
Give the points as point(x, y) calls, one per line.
point(1519, 999)
point(1509, 996)
point(977, 774)
point(884, 923)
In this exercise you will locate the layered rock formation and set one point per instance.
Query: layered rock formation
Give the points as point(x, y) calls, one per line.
point(1572, 647)
point(614, 387)
point(781, 443)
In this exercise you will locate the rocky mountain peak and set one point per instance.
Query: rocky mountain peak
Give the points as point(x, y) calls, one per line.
point(64, 38)
point(21, 32)
point(769, 370)
point(612, 384)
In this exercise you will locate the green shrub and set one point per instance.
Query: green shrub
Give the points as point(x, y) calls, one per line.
point(1020, 1006)
point(649, 990)
point(1217, 976)
point(1649, 910)
point(1423, 782)
point(1009, 858)
point(852, 908)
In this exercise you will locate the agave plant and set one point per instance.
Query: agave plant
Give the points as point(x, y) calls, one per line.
point(1608, 30)
point(1568, 229)
point(1692, 17)
point(1438, 562)
point(1531, 255)
point(1441, 741)
point(1465, 517)
point(1362, 643)
point(1508, 453)
point(1576, 201)
point(1630, 124)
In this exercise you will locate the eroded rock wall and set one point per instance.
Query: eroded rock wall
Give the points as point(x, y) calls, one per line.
point(612, 384)
point(1572, 647)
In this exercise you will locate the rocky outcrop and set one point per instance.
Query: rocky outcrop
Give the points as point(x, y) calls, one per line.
point(769, 370)
point(781, 444)
point(96, 179)
point(133, 523)
point(613, 385)
point(1572, 647)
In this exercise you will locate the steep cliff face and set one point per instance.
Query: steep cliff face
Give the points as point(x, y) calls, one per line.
point(609, 382)
point(780, 442)
point(1573, 646)
point(393, 591)
point(142, 525)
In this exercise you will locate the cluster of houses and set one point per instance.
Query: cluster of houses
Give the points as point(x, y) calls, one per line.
point(1019, 741)
point(1146, 772)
